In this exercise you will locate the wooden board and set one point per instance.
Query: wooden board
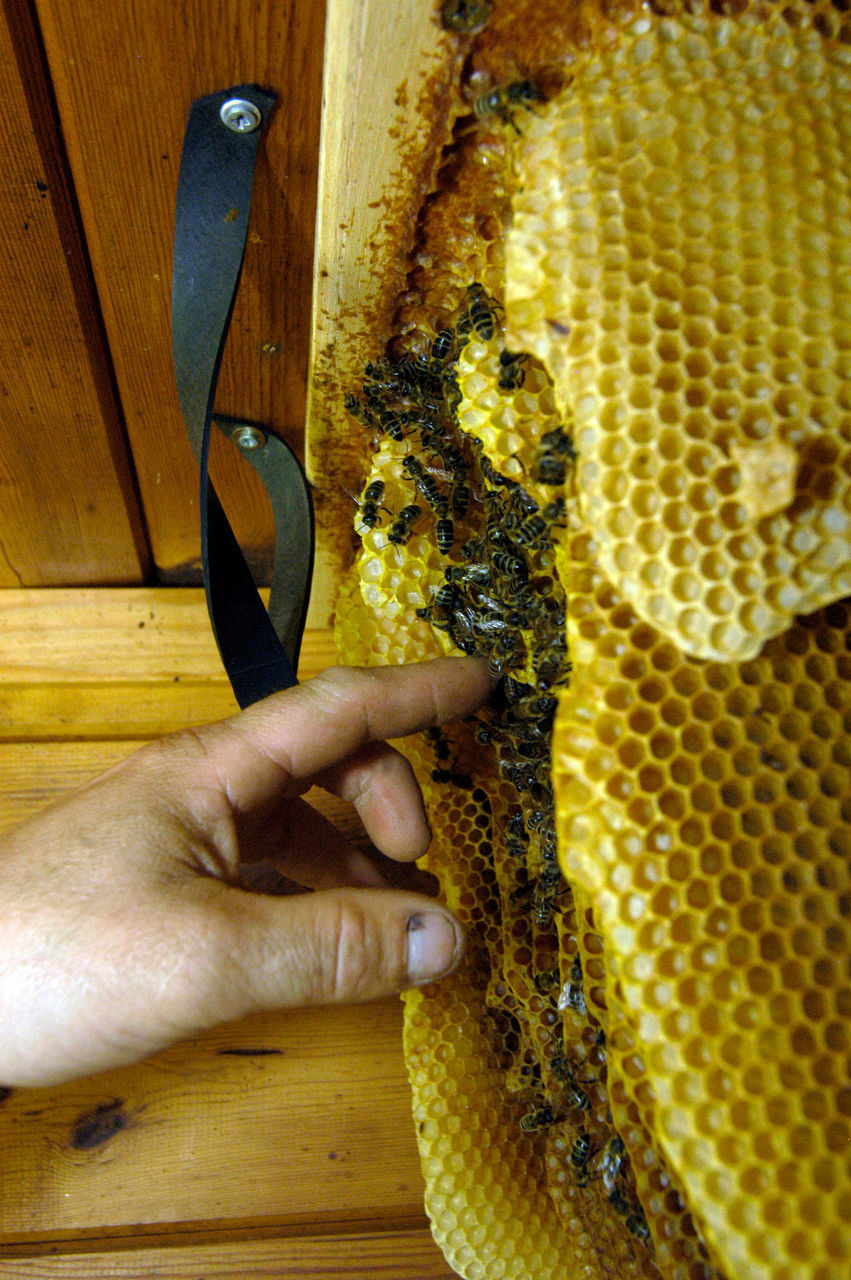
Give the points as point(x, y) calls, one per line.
point(390, 1255)
point(300, 1117)
point(124, 75)
point(385, 119)
point(68, 506)
point(99, 664)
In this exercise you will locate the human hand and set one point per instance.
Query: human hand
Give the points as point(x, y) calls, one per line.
point(123, 922)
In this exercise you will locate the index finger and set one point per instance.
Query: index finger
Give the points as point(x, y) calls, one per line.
point(310, 728)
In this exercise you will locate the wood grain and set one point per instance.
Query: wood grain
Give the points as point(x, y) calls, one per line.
point(99, 664)
point(219, 1130)
point(388, 71)
point(88, 674)
point(144, 633)
point(396, 1255)
point(137, 68)
point(68, 506)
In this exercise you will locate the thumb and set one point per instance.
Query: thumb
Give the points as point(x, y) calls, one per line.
point(339, 945)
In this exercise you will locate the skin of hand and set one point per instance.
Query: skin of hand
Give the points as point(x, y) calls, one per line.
point(125, 923)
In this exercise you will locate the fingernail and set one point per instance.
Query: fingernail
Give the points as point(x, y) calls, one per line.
point(434, 945)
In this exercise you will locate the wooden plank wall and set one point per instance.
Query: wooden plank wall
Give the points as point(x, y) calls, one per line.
point(69, 511)
point(88, 221)
point(90, 330)
point(386, 117)
point(278, 1146)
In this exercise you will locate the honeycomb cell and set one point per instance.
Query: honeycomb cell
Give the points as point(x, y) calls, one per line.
point(740, 455)
point(766, 1005)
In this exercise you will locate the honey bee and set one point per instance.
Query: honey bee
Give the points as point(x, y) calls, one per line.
point(522, 895)
point(426, 483)
point(537, 1119)
point(545, 980)
point(443, 347)
point(520, 501)
point(444, 531)
point(381, 374)
point(423, 379)
point(546, 898)
point(610, 1163)
point(554, 510)
point(466, 16)
point(580, 1154)
point(511, 371)
point(479, 574)
point(533, 532)
point(493, 477)
point(540, 707)
point(551, 669)
point(452, 776)
point(515, 837)
point(576, 1097)
point(503, 652)
point(511, 567)
point(445, 599)
point(619, 1203)
point(370, 504)
point(484, 627)
point(453, 460)
point(634, 1220)
point(403, 526)
point(572, 995)
point(501, 100)
point(480, 313)
point(391, 423)
point(495, 536)
point(516, 826)
point(515, 849)
point(438, 743)
point(555, 450)
point(515, 691)
point(524, 776)
point(636, 1224)
point(369, 512)
point(549, 850)
point(460, 498)
point(451, 393)
point(538, 820)
point(363, 413)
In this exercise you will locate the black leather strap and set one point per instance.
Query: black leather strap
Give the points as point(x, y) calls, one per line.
point(292, 513)
point(211, 225)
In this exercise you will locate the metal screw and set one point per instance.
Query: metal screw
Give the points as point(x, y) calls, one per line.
point(240, 115)
point(248, 438)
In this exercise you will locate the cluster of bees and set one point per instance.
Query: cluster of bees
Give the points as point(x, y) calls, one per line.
point(500, 598)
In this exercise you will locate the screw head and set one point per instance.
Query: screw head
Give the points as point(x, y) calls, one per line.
point(240, 115)
point(248, 438)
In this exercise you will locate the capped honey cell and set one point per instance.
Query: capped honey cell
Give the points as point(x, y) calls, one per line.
point(679, 260)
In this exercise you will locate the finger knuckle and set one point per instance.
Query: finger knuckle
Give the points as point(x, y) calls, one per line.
point(360, 960)
point(333, 680)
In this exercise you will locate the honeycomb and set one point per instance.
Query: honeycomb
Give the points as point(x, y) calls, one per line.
point(641, 1069)
point(697, 320)
point(704, 809)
